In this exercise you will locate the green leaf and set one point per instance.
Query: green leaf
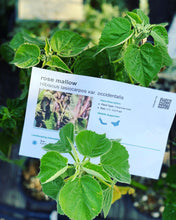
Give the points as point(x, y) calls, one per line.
point(6, 52)
point(55, 61)
point(63, 145)
point(59, 210)
point(116, 32)
point(18, 162)
point(91, 144)
point(166, 59)
point(27, 55)
point(86, 66)
point(67, 43)
point(81, 199)
point(160, 35)
point(171, 177)
point(96, 170)
point(115, 163)
point(143, 17)
point(17, 40)
point(53, 164)
point(169, 212)
point(143, 63)
point(25, 37)
point(52, 188)
point(134, 18)
point(47, 47)
point(107, 195)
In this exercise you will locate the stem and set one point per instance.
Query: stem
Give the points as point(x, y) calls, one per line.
point(105, 183)
point(131, 80)
point(84, 158)
point(116, 61)
point(72, 156)
point(9, 151)
point(139, 185)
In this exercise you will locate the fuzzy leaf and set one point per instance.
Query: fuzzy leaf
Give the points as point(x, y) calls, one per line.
point(27, 55)
point(52, 188)
point(134, 17)
point(55, 61)
point(63, 145)
point(81, 198)
point(166, 59)
point(96, 170)
point(160, 35)
point(52, 165)
point(107, 201)
point(141, 14)
point(118, 191)
point(91, 144)
point(143, 63)
point(67, 43)
point(116, 32)
point(115, 163)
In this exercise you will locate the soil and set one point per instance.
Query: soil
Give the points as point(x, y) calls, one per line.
point(31, 183)
point(151, 201)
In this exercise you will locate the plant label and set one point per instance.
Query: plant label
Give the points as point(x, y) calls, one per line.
point(53, 10)
point(140, 117)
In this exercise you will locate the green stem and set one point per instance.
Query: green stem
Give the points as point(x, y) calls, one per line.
point(139, 185)
point(131, 80)
point(84, 158)
point(118, 60)
point(72, 156)
point(105, 183)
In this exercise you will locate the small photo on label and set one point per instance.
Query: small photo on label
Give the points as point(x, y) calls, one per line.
point(55, 109)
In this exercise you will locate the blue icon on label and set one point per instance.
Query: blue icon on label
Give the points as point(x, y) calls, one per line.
point(115, 123)
point(34, 142)
point(103, 123)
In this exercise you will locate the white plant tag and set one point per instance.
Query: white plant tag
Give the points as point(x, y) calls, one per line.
point(140, 117)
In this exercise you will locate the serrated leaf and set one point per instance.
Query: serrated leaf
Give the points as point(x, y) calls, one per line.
point(115, 163)
point(166, 59)
point(67, 43)
point(81, 199)
point(91, 144)
point(118, 191)
point(160, 35)
point(25, 37)
point(52, 165)
point(97, 171)
point(63, 145)
point(27, 55)
point(52, 188)
point(116, 32)
point(141, 14)
point(107, 201)
point(55, 61)
point(143, 63)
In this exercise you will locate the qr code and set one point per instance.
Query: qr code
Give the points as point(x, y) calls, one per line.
point(164, 103)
